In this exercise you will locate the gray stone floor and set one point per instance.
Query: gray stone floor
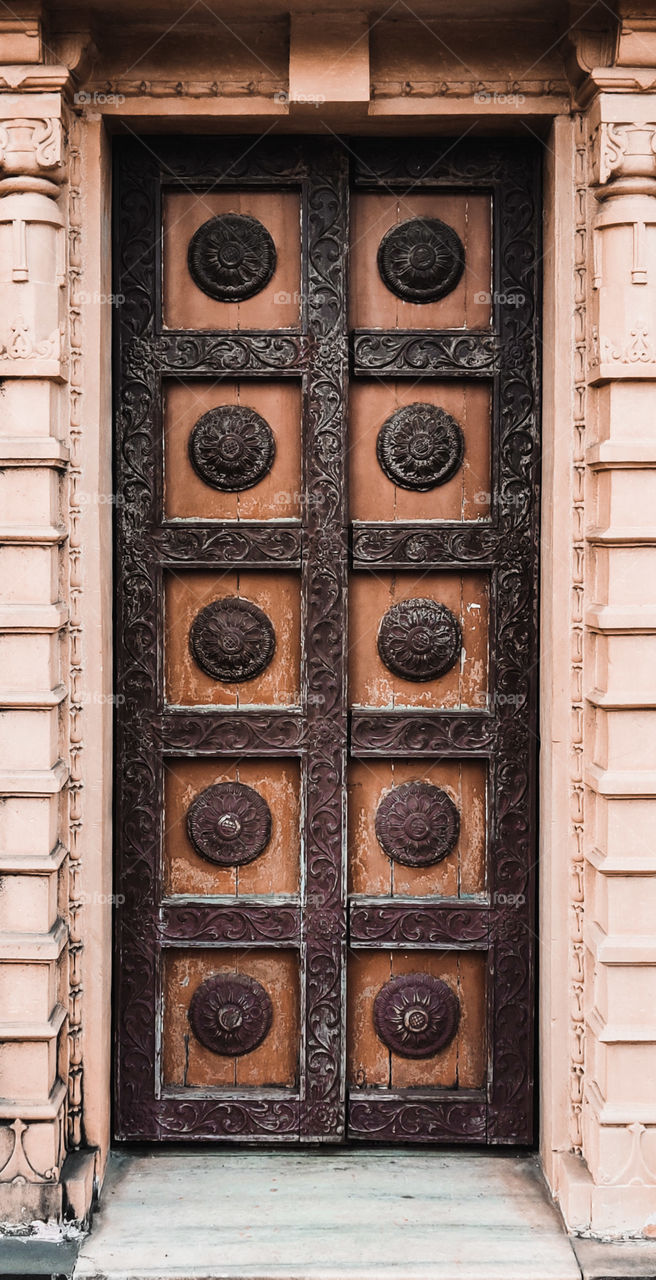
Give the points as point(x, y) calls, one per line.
point(626, 1260)
point(365, 1215)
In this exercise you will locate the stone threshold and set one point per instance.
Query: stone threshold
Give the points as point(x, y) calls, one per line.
point(326, 1215)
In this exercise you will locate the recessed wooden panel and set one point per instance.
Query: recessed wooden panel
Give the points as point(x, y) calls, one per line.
point(276, 870)
point(461, 1064)
point(373, 685)
point(461, 872)
point(373, 305)
point(276, 593)
point(186, 1062)
point(466, 496)
point(274, 307)
point(277, 495)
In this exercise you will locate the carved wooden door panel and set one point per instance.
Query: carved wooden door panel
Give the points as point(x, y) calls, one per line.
point(326, 568)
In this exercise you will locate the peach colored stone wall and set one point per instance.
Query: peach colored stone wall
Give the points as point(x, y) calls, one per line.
point(58, 103)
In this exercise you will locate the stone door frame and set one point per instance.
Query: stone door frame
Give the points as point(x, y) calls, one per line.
point(598, 1127)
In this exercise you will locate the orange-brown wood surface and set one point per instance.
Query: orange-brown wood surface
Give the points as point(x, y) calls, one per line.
point(461, 873)
point(278, 594)
point(374, 306)
point(466, 496)
point(276, 306)
point(460, 1064)
point(186, 1062)
point(373, 685)
point(276, 870)
point(277, 496)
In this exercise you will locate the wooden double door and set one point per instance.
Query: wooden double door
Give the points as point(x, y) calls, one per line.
point(326, 570)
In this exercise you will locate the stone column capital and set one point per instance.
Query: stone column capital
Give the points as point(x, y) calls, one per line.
point(624, 158)
point(31, 154)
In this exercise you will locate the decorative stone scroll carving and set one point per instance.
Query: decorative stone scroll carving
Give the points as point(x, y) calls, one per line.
point(416, 1015)
point(30, 155)
point(625, 156)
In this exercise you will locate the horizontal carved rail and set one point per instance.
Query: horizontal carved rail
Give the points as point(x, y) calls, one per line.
point(423, 733)
point(413, 923)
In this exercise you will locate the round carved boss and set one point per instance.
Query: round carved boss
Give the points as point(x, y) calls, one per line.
point(230, 1013)
point(232, 640)
point(229, 824)
point(417, 824)
point(421, 260)
point(231, 257)
point(416, 1015)
point(232, 448)
point(419, 447)
point(419, 639)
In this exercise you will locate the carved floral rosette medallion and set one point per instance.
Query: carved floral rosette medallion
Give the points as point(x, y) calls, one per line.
point(419, 639)
point(417, 824)
point(416, 1015)
point(231, 257)
point(229, 824)
point(421, 260)
point(232, 640)
point(419, 447)
point(230, 1013)
point(232, 448)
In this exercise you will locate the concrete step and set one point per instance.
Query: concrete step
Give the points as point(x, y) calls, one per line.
point(351, 1215)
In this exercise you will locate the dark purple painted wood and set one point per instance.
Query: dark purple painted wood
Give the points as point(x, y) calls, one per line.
point(318, 733)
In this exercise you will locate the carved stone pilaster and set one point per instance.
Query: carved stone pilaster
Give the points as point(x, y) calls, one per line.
point(618, 1119)
point(623, 331)
point(32, 247)
point(33, 277)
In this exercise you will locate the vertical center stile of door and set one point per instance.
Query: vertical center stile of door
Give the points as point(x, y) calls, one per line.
point(324, 592)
